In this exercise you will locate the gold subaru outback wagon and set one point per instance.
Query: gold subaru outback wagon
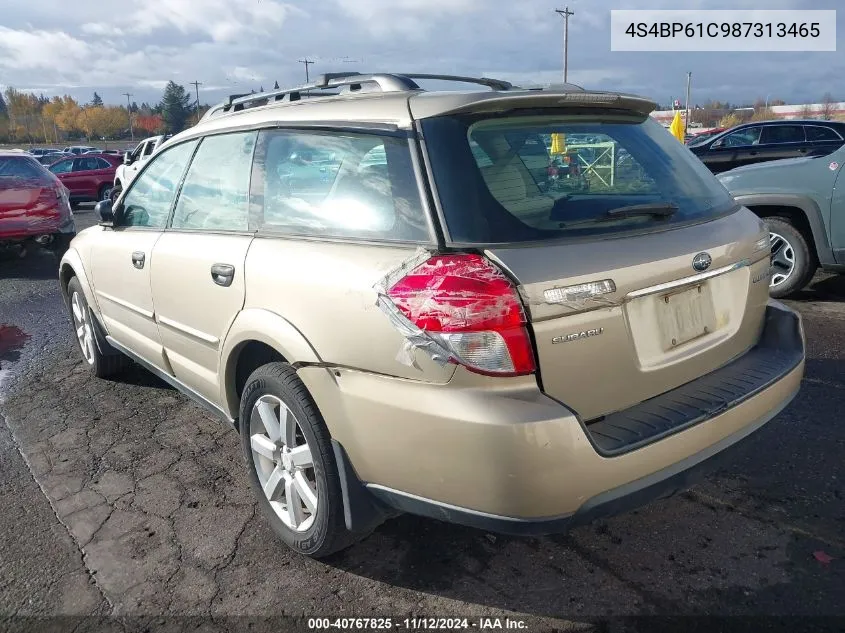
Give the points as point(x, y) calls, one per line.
point(514, 309)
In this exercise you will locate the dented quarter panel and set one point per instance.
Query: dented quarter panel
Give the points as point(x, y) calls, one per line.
point(328, 292)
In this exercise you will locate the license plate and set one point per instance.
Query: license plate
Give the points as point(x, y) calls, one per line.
point(685, 316)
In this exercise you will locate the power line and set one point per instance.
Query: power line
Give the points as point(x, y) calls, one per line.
point(197, 84)
point(565, 12)
point(307, 63)
point(129, 110)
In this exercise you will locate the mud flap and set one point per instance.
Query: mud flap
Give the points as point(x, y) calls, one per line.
point(362, 512)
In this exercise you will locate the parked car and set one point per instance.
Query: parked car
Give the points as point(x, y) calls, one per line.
point(88, 177)
point(93, 150)
point(34, 205)
point(77, 149)
point(49, 159)
point(41, 151)
point(803, 203)
point(434, 334)
point(133, 162)
point(769, 140)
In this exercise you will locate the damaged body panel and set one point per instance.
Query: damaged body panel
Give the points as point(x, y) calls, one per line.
point(513, 310)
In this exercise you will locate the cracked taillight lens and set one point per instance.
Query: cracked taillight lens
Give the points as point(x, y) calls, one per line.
point(472, 309)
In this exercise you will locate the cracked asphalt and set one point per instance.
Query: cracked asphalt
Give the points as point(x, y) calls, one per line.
point(122, 499)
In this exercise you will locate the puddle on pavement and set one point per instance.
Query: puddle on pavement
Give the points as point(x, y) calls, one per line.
point(12, 340)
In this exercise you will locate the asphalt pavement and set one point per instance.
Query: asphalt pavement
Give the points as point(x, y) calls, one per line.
point(121, 498)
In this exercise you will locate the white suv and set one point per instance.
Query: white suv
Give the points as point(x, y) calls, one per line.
point(133, 162)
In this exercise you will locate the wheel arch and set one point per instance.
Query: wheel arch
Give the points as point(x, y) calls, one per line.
point(257, 337)
point(71, 266)
point(804, 214)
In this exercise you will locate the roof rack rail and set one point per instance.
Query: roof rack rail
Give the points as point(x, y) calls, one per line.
point(351, 82)
point(495, 84)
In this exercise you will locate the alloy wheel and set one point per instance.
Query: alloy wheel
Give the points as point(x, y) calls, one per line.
point(783, 259)
point(283, 463)
point(82, 325)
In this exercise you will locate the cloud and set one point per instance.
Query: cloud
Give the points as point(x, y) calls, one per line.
point(237, 45)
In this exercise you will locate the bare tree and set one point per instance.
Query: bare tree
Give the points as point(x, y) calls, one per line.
point(807, 111)
point(828, 107)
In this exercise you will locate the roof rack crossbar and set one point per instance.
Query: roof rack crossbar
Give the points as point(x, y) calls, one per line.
point(385, 82)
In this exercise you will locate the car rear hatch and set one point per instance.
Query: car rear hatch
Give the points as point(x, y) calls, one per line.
point(619, 321)
point(28, 199)
point(638, 272)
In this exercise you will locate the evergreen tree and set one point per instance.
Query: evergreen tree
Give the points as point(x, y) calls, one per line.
point(96, 100)
point(276, 87)
point(175, 107)
point(3, 109)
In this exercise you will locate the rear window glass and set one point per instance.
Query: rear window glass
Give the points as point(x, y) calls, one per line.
point(337, 184)
point(22, 167)
point(517, 179)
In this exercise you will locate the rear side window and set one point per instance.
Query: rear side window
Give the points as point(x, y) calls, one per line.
point(777, 134)
point(819, 133)
point(215, 195)
point(539, 177)
point(337, 184)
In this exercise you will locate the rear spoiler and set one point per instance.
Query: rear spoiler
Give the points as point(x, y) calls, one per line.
point(422, 108)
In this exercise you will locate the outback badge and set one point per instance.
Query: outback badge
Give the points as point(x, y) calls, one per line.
point(701, 262)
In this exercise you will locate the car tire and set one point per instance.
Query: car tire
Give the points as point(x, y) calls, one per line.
point(87, 336)
point(271, 392)
point(115, 193)
point(792, 262)
point(104, 192)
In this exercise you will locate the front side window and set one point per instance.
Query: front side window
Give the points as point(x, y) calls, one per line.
point(148, 148)
point(742, 138)
point(148, 201)
point(215, 194)
point(338, 184)
point(539, 177)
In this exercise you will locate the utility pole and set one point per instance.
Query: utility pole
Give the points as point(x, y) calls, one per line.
point(307, 63)
point(689, 81)
point(196, 85)
point(565, 12)
point(129, 111)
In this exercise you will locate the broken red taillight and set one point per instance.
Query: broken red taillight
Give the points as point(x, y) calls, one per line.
point(472, 309)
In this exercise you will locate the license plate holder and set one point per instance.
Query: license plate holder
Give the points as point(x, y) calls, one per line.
point(685, 315)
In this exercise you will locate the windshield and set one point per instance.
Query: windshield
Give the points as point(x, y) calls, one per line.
point(527, 178)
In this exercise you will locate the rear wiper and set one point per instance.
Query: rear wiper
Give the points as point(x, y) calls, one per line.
point(655, 209)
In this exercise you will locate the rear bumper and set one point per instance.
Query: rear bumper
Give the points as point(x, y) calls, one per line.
point(506, 458)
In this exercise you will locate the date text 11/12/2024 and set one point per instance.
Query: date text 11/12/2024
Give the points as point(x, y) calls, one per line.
point(416, 624)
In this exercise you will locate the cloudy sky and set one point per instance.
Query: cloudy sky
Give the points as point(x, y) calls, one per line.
point(55, 46)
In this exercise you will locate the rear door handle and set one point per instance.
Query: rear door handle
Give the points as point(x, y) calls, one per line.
point(223, 274)
point(138, 259)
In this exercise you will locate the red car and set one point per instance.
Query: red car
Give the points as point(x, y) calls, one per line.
point(89, 177)
point(34, 204)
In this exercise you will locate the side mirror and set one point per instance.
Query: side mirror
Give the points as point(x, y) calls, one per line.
point(717, 143)
point(106, 213)
point(127, 158)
